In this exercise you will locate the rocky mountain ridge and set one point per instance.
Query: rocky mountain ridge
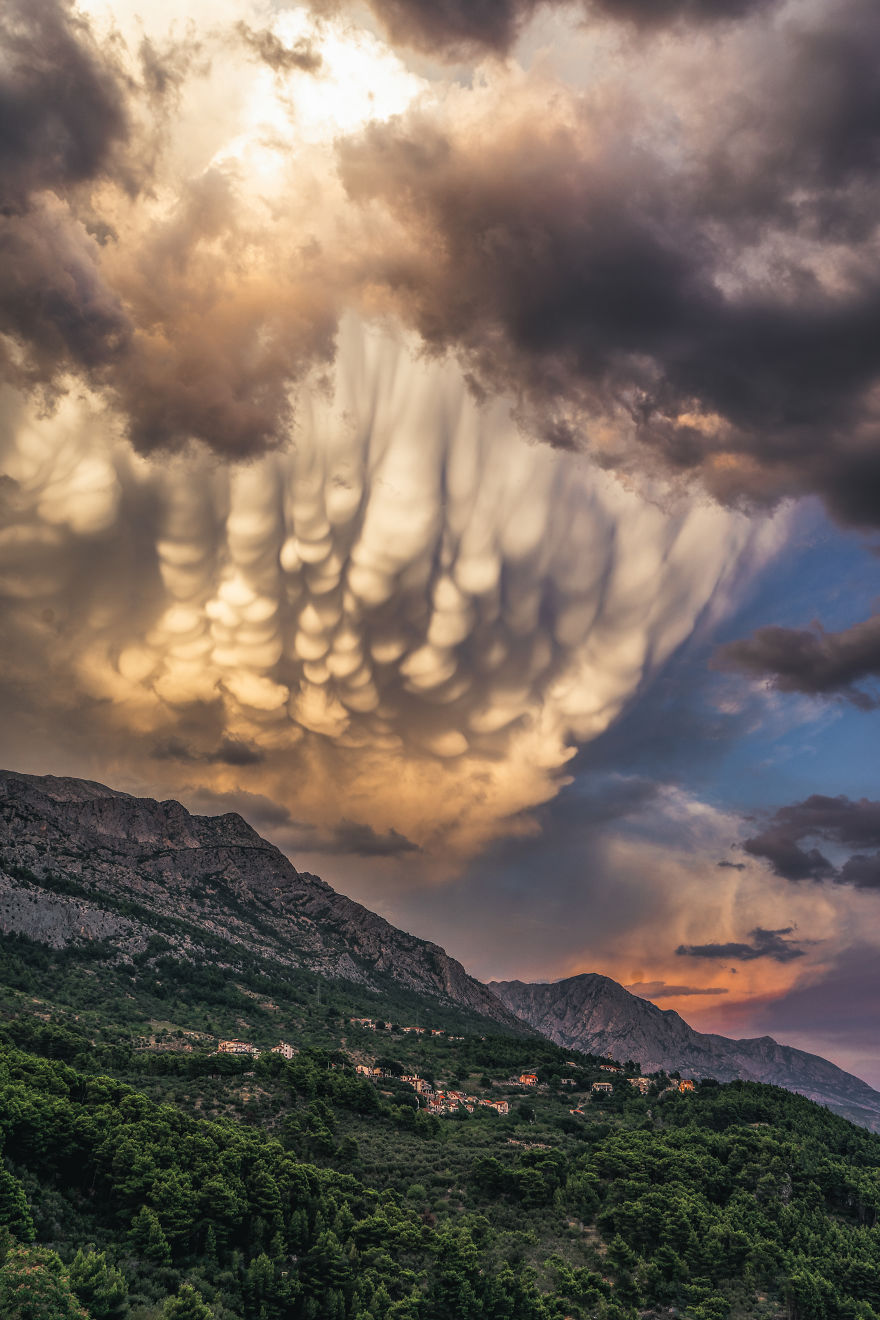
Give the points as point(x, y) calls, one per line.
point(83, 862)
point(595, 1014)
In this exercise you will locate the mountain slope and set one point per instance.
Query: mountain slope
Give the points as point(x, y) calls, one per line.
point(82, 862)
point(595, 1014)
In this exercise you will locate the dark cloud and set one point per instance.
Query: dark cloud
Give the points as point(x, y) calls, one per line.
point(363, 841)
point(715, 294)
point(837, 820)
point(229, 752)
point(461, 28)
point(732, 866)
point(64, 117)
point(271, 50)
point(765, 944)
point(62, 102)
point(662, 990)
point(811, 661)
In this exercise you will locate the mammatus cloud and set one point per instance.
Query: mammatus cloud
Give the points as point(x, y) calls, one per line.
point(851, 826)
point(811, 661)
point(410, 618)
point(765, 944)
point(662, 990)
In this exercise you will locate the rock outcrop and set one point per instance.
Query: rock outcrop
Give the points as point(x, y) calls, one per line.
point(79, 861)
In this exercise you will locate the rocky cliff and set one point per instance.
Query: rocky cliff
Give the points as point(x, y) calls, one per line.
point(595, 1014)
point(79, 861)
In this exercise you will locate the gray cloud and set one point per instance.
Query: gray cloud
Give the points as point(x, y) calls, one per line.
point(837, 820)
point(716, 307)
point(765, 944)
point(62, 101)
point(811, 661)
point(302, 56)
point(662, 990)
point(362, 840)
point(229, 752)
point(470, 28)
point(731, 866)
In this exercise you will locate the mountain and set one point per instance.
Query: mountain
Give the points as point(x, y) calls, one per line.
point(594, 1014)
point(82, 863)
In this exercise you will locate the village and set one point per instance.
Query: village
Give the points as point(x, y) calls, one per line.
point(446, 1101)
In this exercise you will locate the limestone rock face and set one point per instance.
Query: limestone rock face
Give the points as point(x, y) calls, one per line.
point(595, 1014)
point(79, 861)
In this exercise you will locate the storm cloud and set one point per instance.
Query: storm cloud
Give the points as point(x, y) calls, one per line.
point(811, 661)
point(458, 29)
point(658, 280)
point(670, 268)
point(764, 944)
point(851, 826)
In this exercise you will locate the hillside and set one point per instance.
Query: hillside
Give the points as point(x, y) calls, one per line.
point(81, 863)
point(595, 1014)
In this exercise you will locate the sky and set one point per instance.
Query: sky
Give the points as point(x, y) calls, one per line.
point(449, 435)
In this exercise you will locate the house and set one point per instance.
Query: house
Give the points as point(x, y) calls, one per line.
point(609, 1067)
point(416, 1031)
point(641, 1084)
point(686, 1084)
point(566, 1081)
point(368, 1023)
point(363, 1069)
point(236, 1047)
point(602, 1088)
point(284, 1049)
point(437, 1031)
point(500, 1105)
point(528, 1079)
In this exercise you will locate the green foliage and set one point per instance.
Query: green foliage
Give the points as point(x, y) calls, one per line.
point(189, 1304)
point(35, 1286)
point(14, 1213)
point(100, 1287)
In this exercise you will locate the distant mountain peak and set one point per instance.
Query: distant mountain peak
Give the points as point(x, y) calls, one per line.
point(593, 1013)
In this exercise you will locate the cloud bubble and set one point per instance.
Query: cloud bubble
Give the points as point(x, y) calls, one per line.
point(412, 616)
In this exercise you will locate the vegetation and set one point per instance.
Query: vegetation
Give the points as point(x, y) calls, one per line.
point(149, 1178)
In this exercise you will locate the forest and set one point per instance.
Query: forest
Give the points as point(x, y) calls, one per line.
point(146, 1183)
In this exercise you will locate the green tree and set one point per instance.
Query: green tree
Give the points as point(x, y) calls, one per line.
point(100, 1287)
point(34, 1285)
point(14, 1212)
point(147, 1238)
point(189, 1304)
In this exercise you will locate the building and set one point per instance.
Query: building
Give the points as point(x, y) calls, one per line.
point(416, 1031)
point(283, 1048)
point(609, 1067)
point(566, 1081)
point(602, 1088)
point(368, 1023)
point(501, 1106)
point(236, 1047)
point(528, 1079)
point(641, 1084)
point(686, 1084)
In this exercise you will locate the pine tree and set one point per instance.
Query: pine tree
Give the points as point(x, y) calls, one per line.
point(189, 1304)
point(100, 1287)
point(14, 1212)
point(147, 1238)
